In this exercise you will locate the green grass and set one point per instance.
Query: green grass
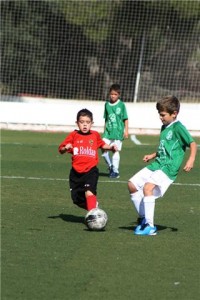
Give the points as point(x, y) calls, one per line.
point(47, 252)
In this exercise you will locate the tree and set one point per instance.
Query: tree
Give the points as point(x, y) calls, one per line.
point(76, 49)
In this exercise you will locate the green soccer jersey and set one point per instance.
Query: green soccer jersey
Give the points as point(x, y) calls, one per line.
point(114, 114)
point(173, 142)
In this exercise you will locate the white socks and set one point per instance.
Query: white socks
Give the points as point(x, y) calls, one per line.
point(136, 198)
point(115, 160)
point(144, 206)
point(149, 207)
point(106, 156)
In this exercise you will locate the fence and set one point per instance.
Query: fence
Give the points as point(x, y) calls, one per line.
point(76, 49)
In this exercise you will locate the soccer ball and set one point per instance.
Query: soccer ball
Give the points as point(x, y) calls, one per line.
point(96, 219)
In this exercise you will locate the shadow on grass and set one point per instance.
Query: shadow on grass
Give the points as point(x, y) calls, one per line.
point(103, 174)
point(74, 219)
point(159, 228)
point(68, 218)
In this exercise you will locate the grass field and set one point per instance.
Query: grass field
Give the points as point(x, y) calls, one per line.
point(48, 253)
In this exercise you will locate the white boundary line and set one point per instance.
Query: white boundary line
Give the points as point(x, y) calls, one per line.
point(66, 179)
point(51, 145)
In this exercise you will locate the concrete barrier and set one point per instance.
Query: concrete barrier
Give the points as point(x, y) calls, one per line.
point(26, 113)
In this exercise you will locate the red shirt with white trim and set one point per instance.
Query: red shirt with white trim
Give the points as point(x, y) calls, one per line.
point(85, 149)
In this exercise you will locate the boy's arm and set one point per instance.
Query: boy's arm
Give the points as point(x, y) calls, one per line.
point(66, 148)
point(126, 128)
point(190, 162)
point(66, 145)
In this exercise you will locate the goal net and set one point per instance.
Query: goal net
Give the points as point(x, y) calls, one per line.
point(76, 49)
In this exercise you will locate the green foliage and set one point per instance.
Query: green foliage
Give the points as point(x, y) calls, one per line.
point(75, 49)
point(188, 9)
point(93, 16)
point(22, 37)
point(185, 8)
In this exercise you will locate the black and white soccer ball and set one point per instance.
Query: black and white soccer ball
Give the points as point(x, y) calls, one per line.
point(96, 219)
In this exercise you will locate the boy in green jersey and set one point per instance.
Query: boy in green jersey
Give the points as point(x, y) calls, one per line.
point(116, 128)
point(152, 181)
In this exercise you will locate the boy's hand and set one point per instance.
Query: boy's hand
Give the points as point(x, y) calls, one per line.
point(113, 148)
point(65, 148)
point(190, 162)
point(148, 157)
point(68, 146)
point(189, 165)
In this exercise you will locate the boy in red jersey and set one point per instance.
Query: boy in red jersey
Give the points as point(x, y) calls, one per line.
point(83, 144)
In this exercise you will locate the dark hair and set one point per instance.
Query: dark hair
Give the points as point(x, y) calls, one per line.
point(115, 87)
point(84, 112)
point(170, 104)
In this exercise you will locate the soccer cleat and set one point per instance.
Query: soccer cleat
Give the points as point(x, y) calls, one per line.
point(114, 175)
point(140, 221)
point(110, 169)
point(145, 229)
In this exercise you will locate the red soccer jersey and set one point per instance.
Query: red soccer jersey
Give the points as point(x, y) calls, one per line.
point(85, 149)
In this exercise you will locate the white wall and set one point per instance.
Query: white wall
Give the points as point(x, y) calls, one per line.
point(26, 113)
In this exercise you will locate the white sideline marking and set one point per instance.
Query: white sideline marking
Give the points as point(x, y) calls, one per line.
point(132, 137)
point(135, 140)
point(66, 179)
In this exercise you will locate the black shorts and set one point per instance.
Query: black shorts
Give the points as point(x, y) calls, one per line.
point(79, 183)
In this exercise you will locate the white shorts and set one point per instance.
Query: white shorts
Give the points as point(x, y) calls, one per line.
point(118, 143)
point(159, 178)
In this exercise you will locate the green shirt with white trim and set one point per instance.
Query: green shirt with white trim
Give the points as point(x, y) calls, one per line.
point(174, 139)
point(114, 114)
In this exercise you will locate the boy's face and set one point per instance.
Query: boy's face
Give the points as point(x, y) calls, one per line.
point(84, 124)
point(114, 96)
point(167, 118)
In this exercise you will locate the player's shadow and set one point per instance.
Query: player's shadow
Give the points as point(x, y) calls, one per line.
point(103, 174)
point(159, 227)
point(68, 218)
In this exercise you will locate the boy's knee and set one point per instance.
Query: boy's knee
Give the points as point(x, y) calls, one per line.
point(148, 188)
point(132, 189)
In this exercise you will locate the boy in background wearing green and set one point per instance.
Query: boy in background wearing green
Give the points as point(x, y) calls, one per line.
point(153, 181)
point(115, 129)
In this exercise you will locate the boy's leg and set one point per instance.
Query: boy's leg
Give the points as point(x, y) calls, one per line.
point(135, 186)
point(77, 193)
point(106, 154)
point(137, 199)
point(91, 201)
point(149, 207)
point(78, 198)
point(90, 186)
point(154, 188)
point(107, 159)
point(115, 161)
point(147, 227)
